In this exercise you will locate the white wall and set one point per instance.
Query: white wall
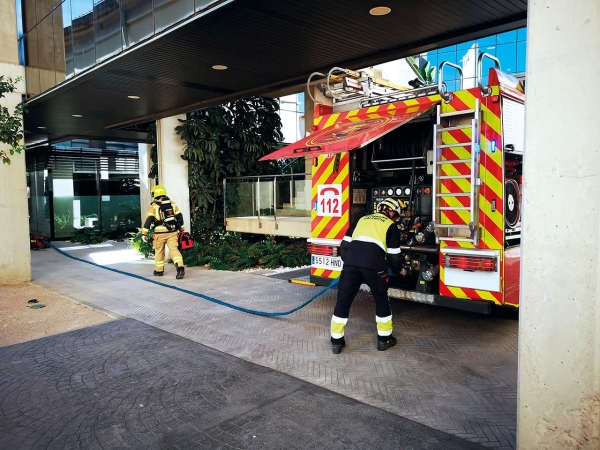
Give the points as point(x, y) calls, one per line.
point(559, 326)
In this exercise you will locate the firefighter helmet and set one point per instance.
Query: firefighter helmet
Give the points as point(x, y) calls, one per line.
point(158, 191)
point(391, 204)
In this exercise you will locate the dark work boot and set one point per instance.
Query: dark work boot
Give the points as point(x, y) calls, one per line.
point(337, 345)
point(180, 272)
point(384, 345)
point(158, 274)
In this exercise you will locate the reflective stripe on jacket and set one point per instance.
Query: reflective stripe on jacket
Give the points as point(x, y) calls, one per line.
point(374, 239)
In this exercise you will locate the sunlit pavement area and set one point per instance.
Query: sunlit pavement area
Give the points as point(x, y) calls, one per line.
point(452, 372)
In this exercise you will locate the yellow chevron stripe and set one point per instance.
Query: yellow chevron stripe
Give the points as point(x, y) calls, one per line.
point(466, 97)
point(319, 272)
point(492, 120)
point(487, 296)
point(342, 221)
point(496, 156)
point(372, 109)
point(457, 292)
point(325, 221)
point(332, 120)
point(317, 120)
point(492, 182)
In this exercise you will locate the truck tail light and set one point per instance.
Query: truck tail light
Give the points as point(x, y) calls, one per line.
point(324, 250)
point(472, 263)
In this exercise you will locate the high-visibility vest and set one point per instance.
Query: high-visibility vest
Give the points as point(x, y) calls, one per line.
point(373, 228)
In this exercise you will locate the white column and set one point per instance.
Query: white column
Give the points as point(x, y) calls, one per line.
point(559, 327)
point(172, 170)
point(15, 257)
point(145, 183)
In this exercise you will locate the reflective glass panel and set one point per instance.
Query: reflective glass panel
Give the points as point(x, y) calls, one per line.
point(138, 20)
point(203, 4)
point(507, 54)
point(522, 34)
point(84, 46)
point(521, 57)
point(68, 37)
point(505, 38)
point(169, 12)
point(107, 29)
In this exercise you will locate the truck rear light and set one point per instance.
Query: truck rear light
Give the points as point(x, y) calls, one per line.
point(471, 263)
point(324, 250)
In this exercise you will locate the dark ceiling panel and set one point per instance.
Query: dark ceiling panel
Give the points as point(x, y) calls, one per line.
point(268, 45)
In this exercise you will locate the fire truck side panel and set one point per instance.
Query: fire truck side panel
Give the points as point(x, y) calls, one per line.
point(330, 214)
point(512, 271)
point(485, 286)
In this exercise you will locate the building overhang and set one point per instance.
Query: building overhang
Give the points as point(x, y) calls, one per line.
point(267, 46)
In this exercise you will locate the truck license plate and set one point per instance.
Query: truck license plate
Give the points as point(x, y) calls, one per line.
point(327, 262)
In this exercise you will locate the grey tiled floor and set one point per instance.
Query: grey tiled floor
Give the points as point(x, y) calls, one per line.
point(452, 371)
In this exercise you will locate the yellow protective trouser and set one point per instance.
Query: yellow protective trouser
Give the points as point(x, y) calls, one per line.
point(169, 239)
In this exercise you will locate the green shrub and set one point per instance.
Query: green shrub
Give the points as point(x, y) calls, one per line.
point(137, 243)
point(87, 236)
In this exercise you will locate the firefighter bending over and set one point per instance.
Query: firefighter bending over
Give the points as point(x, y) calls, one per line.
point(168, 222)
point(364, 251)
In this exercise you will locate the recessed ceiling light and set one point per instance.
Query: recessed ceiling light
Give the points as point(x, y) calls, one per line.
point(77, 115)
point(133, 97)
point(380, 11)
point(42, 128)
point(219, 67)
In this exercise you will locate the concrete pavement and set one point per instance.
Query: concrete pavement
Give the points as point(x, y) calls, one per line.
point(451, 371)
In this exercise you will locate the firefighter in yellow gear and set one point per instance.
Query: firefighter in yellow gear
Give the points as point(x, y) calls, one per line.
point(167, 220)
point(367, 250)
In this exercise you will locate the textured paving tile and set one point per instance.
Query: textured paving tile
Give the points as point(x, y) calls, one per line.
point(126, 385)
point(453, 371)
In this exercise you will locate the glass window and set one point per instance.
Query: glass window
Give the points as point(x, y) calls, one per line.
point(489, 41)
point(169, 12)
point(522, 34)
point(84, 46)
point(508, 37)
point(138, 20)
point(84, 184)
point(107, 29)
point(68, 37)
point(203, 4)
point(507, 54)
point(447, 56)
point(465, 45)
point(521, 57)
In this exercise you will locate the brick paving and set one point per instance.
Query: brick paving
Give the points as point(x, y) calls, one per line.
point(452, 371)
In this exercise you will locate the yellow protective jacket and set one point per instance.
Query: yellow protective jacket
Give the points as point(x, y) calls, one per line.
point(155, 218)
point(373, 243)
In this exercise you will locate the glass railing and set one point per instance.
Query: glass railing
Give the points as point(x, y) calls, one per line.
point(267, 197)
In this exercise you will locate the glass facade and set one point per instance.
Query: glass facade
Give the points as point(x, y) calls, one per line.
point(510, 48)
point(69, 36)
point(83, 184)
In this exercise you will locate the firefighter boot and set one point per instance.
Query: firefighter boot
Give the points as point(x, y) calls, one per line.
point(158, 274)
point(180, 272)
point(337, 345)
point(384, 345)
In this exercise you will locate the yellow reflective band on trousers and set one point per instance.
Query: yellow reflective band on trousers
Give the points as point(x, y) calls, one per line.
point(337, 327)
point(162, 240)
point(384, 325)
point(373, 228)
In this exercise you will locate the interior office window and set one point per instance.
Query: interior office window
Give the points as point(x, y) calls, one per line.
point(107, 29)
point(121, 184)
point(138, 20)
point(169, 12)
point(84, 184)
point(82, 23)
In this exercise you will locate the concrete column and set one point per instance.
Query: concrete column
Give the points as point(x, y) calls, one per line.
point(559, 328)
point(172, 170)
point(15, 257)
point(145, 183)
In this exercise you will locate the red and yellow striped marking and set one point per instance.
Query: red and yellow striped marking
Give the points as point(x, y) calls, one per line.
point(491, 190)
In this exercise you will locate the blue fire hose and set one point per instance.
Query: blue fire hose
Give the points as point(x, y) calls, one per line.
point(196, 294)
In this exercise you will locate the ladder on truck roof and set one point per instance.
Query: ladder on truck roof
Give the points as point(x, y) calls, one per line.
point(456, 175)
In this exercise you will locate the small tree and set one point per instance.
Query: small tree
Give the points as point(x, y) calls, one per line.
point(421, 68)
point(227, 140)
point(11, 125)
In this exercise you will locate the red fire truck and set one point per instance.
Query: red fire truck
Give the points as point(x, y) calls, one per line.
point(453, 158)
